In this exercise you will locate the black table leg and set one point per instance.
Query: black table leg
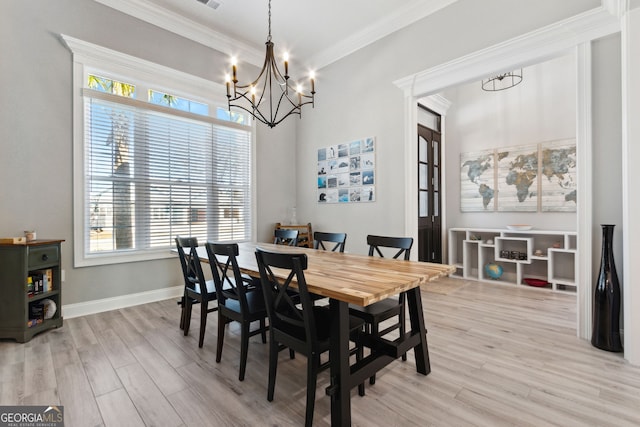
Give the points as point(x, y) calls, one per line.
point(416, 316)
point(339, 364)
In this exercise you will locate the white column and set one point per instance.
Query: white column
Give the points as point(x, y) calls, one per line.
point(630, 180)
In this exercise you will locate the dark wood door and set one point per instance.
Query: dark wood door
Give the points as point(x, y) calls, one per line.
point(429, 197)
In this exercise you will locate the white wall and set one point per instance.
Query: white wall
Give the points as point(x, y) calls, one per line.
point(630, 181)
point(541, 108)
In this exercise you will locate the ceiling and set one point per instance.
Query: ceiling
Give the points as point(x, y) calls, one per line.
point(316, 33)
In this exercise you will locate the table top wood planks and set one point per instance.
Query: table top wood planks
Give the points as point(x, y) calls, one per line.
point(352, 278)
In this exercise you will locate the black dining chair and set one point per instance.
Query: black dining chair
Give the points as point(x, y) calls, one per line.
point(376, 313)
point(282, 236)
point(236, 301)
point(298, 325)
point(338, 239)
point(197, 290)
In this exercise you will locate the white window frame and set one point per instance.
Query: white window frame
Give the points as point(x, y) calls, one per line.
point(89, 58)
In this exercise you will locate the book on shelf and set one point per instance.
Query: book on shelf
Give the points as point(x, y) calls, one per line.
point(40, 281)
point(29, 285)
point(34, 322)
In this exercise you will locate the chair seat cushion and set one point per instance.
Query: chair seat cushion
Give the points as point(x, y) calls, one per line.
point(377, 311)
point(255, 301)
point(211, 288)
point(323, 325)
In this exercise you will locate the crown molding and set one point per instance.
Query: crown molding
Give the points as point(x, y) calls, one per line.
point(437, 103)
point(156, 15)
point(402, 17)
point(184, 27)
point(533, 47)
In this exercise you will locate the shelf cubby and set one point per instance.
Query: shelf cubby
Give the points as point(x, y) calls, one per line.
point(470, 249)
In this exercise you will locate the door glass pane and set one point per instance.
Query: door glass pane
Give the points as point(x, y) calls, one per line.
point(436, 156)
point(423, 145)
point(435, 179)
point(424, 203)
point(424, 176)
point(436, 205)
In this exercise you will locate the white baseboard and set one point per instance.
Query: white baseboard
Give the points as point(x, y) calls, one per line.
point(98, 306)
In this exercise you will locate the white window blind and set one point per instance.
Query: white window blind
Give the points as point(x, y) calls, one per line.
point(152, 173)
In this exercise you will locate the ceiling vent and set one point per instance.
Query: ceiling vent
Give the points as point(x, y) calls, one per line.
point(213, 4)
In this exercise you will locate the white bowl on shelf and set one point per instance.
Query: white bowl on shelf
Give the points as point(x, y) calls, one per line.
point(519, 227)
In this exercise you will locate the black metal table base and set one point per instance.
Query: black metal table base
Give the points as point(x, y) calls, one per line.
point(345, 376)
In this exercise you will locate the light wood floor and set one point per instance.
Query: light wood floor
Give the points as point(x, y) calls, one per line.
point(499, 356)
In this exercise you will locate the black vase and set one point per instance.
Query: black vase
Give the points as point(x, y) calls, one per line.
point(606, 300)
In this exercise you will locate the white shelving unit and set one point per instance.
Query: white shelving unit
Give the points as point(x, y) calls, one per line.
point(538, 254)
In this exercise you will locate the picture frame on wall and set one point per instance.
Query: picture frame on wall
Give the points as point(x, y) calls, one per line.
point(558, 175)
point(528, 178)
point(346, 172)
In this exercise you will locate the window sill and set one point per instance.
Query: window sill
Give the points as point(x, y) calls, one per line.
point(82, 260)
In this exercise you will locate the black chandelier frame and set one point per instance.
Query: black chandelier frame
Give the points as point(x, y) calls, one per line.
point(271, 97)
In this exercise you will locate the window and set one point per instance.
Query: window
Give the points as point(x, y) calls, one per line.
point(150, 169)
point(178, 103)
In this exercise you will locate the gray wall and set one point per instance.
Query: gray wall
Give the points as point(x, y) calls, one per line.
point(356, 98)
point(36, 131)
point(607, 146)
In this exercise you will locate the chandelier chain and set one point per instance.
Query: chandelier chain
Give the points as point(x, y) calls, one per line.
point(269, 37)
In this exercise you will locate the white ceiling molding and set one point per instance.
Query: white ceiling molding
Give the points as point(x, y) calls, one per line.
point(400, 19)
point(159, 16)
point(536, 46)
point(170, 21)
point(615, 7)
point(437, 103)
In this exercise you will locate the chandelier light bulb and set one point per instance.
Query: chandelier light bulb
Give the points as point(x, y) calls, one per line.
point(286, 65)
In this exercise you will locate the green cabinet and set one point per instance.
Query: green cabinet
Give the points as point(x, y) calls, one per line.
point(30, 288)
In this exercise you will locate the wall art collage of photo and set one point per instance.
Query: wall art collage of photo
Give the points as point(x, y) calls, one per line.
point(346, 172)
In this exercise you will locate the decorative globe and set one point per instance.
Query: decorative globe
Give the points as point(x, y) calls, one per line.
point(493, 270)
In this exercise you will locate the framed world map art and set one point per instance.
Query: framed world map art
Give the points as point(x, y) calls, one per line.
point(477, 181)
point(530, 178)
point(559, 192)
point(518, 179)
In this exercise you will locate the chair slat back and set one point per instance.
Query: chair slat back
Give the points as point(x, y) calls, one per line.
point(320, 238)
point(282, 309)
point(190, 262)
point(282, 236)
point(226, 272)
point(403, 244)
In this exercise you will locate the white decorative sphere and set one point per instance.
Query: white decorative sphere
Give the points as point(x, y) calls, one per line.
point(49, 308)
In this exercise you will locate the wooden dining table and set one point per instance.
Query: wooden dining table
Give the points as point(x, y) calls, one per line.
point(362, 280)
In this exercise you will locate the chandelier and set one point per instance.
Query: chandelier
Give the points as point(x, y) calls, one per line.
point(502, 81)
point(271, 97)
